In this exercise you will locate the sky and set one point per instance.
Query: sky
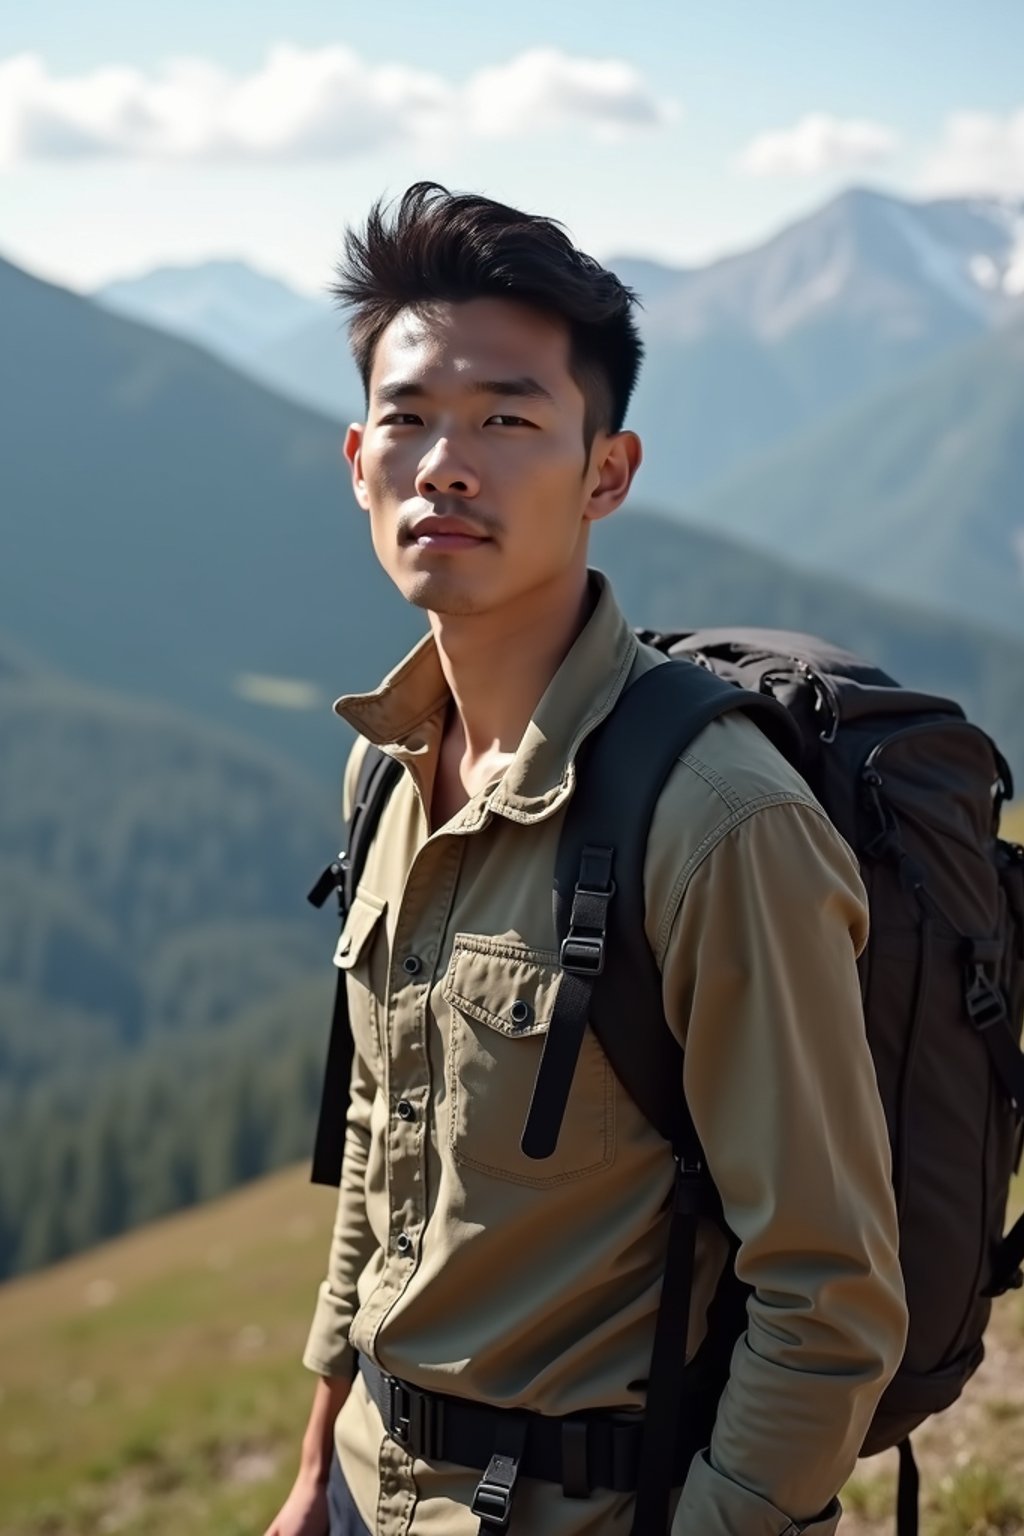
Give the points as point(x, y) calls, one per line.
point(137, 135)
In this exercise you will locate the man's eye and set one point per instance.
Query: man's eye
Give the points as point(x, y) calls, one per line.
point(517, 421)
point(398, 419)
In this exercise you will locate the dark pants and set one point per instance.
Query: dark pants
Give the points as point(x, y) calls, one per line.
point(345, 1518)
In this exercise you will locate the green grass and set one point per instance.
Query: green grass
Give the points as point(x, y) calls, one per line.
point(977, 1500)
point(154, 1385)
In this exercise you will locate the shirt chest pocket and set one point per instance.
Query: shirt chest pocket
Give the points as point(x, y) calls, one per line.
point(501, 998)
point(362, 954)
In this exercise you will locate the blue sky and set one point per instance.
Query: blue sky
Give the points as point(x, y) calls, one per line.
point(133, 134)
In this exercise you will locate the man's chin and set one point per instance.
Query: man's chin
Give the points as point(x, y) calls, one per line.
point(441, 592)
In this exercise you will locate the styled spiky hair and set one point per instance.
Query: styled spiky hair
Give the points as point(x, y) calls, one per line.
point(448, 246)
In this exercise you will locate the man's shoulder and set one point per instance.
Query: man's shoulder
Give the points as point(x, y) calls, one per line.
point(730, 772)
point(732, 764)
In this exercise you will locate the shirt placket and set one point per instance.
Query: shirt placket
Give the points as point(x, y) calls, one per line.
point(417, 944)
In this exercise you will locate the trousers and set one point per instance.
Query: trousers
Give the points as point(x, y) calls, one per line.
point(344, 1517)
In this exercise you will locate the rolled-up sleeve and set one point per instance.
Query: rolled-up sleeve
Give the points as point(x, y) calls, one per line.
point(761, 986)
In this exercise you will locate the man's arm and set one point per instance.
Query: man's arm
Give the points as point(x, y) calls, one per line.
point(761, 987)
point(304, 1512)
point(328, 1351)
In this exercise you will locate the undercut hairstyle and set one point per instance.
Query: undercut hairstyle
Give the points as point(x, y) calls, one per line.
point(453, 247)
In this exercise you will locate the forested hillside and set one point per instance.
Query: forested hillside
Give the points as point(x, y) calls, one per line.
point(156, 1038)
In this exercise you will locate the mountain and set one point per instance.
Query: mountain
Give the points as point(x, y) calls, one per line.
point(172, 529)
point(672, 577)
point(313, 366)
point(226, 306)
point(746, 351)
point(917, 490)
point(753, 349)
point(288, 341)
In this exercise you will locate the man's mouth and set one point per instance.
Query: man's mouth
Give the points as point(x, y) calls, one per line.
point(445, 533)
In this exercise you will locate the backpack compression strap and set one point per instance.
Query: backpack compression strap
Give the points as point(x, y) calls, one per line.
point(622, 771)
point(378, 775)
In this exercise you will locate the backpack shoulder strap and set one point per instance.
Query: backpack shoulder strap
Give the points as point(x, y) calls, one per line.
point(378, 775)
point(599, 894)
point(599, 919)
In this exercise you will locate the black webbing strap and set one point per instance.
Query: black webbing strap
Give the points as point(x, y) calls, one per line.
point(693, 1197)
point(908, 1491)
point(582, 960)
point(598, 1449)
point(378, 775)
point(492, 1497)
point(621, 771)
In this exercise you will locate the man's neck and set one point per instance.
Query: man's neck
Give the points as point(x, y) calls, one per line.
point(498, 666)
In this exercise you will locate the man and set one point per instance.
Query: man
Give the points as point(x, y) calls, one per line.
point(498, 362)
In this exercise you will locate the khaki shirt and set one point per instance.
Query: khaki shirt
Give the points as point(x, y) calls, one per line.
point(462, 1266)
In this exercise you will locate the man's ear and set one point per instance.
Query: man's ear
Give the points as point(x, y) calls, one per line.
point(353, 450)
point(616, 457)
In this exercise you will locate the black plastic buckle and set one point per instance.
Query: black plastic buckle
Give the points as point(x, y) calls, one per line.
point(415, 1420)
point(985, 1003)
point(582, 955)
point(331, 879)
point(492, 1501)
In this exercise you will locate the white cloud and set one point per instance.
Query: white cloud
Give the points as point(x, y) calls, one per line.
point(307, 103)
point(979, 154)
point(545, 88)
point(817, 142)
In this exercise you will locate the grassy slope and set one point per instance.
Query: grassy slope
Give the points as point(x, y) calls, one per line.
point(154, 1386)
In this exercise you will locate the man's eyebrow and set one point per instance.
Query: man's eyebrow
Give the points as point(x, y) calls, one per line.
point(525, 387)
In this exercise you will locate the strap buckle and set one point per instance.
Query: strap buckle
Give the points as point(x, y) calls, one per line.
point(985, 1003)
point(330, 879)
point(415, 1420)
point(492, 1501)
point(582, 954)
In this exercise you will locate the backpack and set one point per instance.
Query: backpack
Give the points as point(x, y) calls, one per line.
point(917, 792)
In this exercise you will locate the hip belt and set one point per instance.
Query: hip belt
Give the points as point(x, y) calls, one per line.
point(581, 1452)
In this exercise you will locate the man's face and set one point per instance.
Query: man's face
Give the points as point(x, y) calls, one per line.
point(471, 462)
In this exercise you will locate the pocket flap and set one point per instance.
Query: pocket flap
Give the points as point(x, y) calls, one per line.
point(507, 986)
point(364, 915)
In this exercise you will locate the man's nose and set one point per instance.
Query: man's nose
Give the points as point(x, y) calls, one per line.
point(444, 469)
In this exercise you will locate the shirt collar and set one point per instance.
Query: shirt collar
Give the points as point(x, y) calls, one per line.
point(405, 715)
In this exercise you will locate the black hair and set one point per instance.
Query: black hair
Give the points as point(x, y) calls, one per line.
point(448, 246)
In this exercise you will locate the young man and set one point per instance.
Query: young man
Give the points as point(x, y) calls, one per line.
point(498, 362)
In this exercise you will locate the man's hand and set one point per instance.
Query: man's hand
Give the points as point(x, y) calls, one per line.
point(304, 1511)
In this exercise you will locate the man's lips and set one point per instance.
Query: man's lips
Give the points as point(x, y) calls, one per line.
point(446, 533)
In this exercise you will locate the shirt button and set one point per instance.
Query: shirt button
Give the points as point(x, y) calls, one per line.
point(405, 1110)
point(520, 1012)
point(403, 1242)
point(412, 965)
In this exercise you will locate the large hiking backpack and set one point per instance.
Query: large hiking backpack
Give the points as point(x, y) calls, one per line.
point(917, 793)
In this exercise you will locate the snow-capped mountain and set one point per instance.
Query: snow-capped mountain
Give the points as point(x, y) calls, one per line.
point(743, 353)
